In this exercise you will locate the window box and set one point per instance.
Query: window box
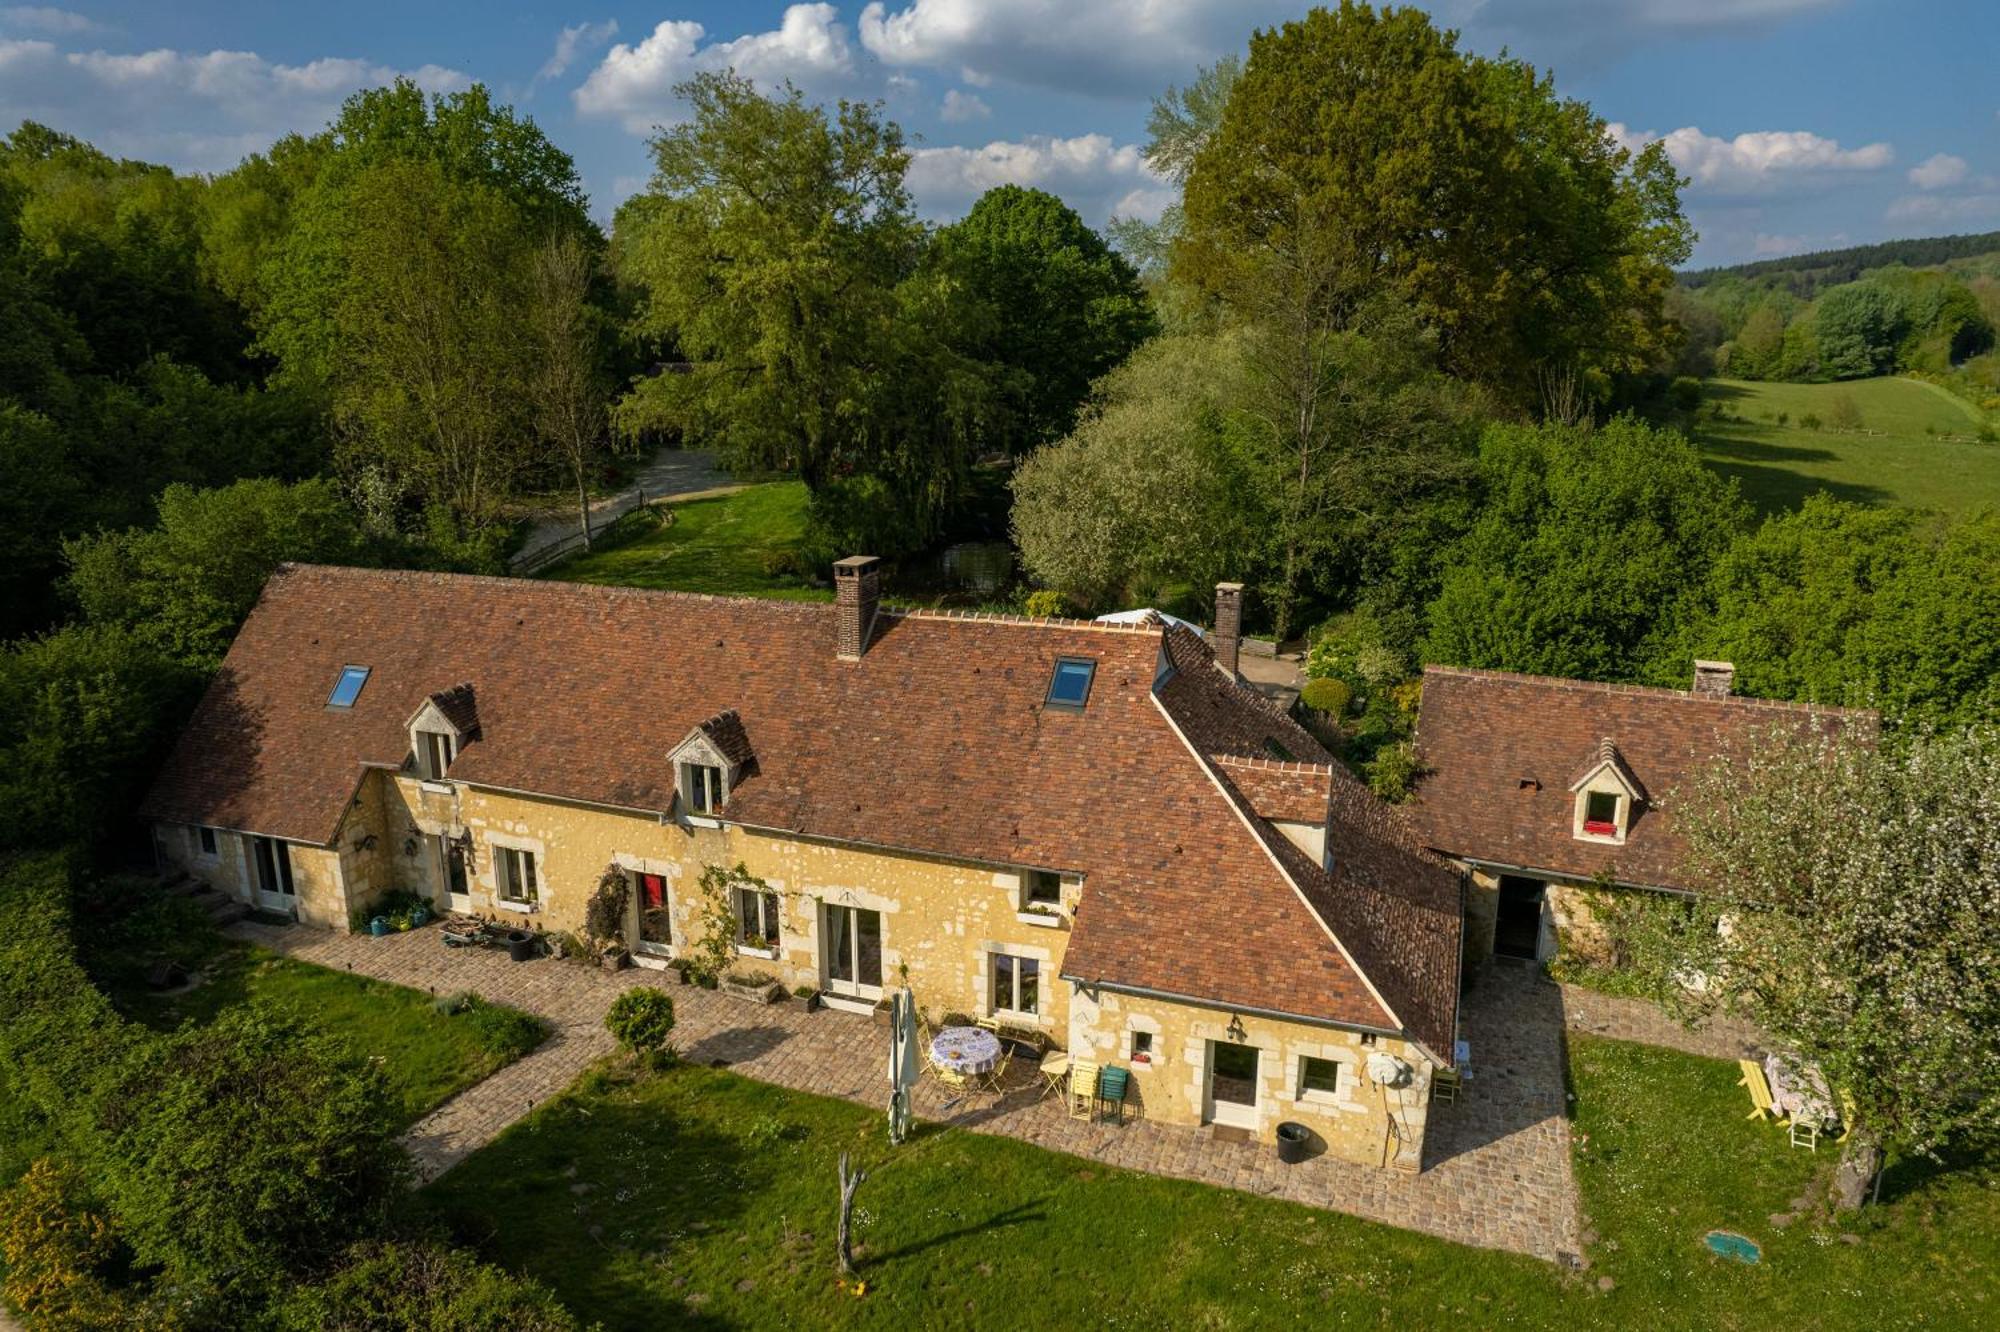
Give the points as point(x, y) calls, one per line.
point(1599, 828)
point(1048, 920)
point(768, 953)
point(756, 987)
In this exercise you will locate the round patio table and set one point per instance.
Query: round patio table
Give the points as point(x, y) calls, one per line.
point(968, 1050)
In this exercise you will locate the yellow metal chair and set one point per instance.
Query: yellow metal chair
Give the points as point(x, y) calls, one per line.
point(1444, 1086)
point(1082, 1088)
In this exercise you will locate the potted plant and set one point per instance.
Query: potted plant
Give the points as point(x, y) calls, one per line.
point(808, 995)
point(757, 987)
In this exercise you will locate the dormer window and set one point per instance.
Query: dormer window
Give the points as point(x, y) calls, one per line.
point(1041, 888)
point(1605, 792)
point(714, 757)
point(701, 785)
point(1600, 813)
point(434, 752)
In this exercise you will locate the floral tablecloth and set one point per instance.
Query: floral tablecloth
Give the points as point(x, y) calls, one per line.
point(965, 1049)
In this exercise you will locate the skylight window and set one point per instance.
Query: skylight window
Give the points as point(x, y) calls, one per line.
point(348, 687)
point(1069, 687)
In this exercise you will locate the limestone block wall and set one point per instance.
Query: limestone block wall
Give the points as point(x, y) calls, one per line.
point(941, 919)
point(1579, 933)
point(1363, 1121)
point(1482, 914)
point(316, 871)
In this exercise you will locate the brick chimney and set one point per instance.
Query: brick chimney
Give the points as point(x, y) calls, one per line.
point(857, 592)
point(1715, 679)
point(1228, 624)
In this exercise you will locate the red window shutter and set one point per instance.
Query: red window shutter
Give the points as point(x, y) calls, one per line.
point(655, 889)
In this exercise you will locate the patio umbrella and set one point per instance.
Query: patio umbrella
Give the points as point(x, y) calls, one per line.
point(903, 1067)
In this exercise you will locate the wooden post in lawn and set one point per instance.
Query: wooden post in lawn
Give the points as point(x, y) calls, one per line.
point(849, 1182)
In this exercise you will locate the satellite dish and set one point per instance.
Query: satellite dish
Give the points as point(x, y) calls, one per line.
point(1388, 1070)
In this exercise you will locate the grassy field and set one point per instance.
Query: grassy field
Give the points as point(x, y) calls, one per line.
point(728, 545)
point(426, 1055)
point(1778, 465)
point(697, 1198)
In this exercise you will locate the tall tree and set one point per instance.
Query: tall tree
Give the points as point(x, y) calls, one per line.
point(768, 248)
point(1857, 919)
point(1062, 308)
point(567, 384)
point(1504, 216)
point(1588, 557)
point(1177, 128)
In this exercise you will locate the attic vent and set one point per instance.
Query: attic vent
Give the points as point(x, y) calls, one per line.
point(348, 687)
point(1069, 686)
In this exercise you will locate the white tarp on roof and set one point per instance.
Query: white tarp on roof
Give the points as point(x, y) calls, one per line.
point(1138, 616)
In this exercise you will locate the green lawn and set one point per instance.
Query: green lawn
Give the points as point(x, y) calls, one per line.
point(426, 1055)
point(1779, 465)
point(697, 1198)
point(728, 545)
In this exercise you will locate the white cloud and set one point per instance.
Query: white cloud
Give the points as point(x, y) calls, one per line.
point(1116, 48)
point(46, 19)
point(635, 84)
point(193, 110)
point(574, 40)
point(1759, 161)
point(1089, 172)
point(1938, 171)
point(959, 107)
point(1771, 247)
point(1946, 209)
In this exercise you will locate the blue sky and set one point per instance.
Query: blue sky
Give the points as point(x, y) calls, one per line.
point(1803, 123)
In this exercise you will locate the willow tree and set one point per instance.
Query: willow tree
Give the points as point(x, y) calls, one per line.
point(1856, 918)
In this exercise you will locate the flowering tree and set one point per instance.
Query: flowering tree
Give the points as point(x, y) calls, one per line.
point(1855, 916)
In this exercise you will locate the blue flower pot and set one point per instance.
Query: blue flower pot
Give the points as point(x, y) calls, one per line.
point(418, 916)
point(379, 926)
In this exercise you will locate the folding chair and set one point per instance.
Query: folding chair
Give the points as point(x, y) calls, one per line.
point(1112, 1085)
point(1805, 1133)
point(1082, 1088)
point(996, 1081)
point(1444, 1087)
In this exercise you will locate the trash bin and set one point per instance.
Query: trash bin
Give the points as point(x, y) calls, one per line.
point(1293, 1141)
point(520, 945)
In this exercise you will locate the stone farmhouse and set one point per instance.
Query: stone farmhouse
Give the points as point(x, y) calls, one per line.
point(1095, 831)
point(1550, 791)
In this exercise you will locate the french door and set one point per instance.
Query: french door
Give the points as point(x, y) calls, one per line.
point(852, 951)
point(656, 921)
point(1232, 1084)
point(273, 865)
point(455, 894)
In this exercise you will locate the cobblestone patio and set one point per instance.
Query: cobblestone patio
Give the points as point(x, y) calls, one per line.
point(1626, 1019)
point(1497, 1164)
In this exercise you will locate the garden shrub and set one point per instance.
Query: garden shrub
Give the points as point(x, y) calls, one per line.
point(1326, 695)
point(641, 1020)
point(421, 1286)
point(1045, 603)
point(1394, 770)
point(57, 1249)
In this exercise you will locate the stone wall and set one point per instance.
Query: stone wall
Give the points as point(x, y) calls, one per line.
point(1363, 1121)
point(316, 871)
point(941, 919)
point(1579, 934)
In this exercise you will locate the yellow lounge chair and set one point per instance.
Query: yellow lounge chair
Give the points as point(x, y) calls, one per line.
point(1759, 1087)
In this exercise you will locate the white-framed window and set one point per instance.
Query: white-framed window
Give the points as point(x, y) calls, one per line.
point(434, 755)
point(451, 854)
point(205, 842)
point(1319, 1079)
point(701, 784)
point(1017, 984)
point(756, 919)
point(1600, 815)
point(518, 879)
point(1142, 1047)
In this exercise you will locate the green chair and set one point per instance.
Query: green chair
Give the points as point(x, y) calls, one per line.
point(1112, 1086)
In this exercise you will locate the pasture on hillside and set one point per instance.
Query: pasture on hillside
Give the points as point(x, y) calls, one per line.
point(1915, 446)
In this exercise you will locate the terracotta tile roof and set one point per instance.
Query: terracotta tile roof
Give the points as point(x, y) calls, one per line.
point(1287, 792)
point(1500, 751)
point(935, 742)
point(459, 706)
point(725, 731)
